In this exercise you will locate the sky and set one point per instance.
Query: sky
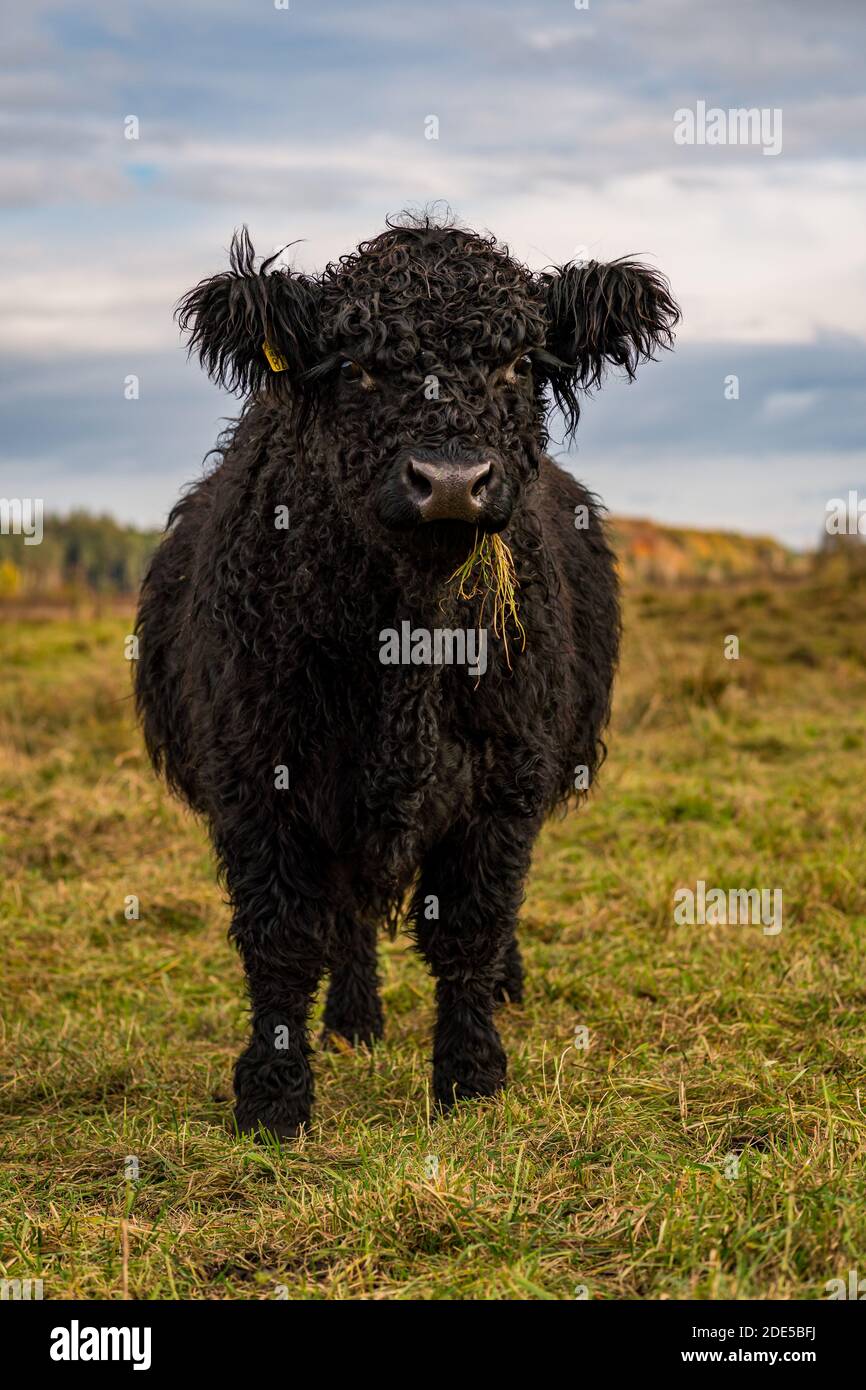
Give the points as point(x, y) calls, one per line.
point(308, 120)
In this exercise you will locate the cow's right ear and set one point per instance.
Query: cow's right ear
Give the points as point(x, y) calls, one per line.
point(248, 325)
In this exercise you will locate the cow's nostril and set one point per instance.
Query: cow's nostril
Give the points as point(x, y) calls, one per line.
point(481, 481)
point(419, 482)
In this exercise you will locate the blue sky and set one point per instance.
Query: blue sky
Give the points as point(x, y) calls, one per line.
point(555, 132)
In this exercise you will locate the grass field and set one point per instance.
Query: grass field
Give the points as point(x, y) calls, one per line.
point(605, 1169)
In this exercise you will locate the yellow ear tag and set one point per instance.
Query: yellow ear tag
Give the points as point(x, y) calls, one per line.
point(276, 360)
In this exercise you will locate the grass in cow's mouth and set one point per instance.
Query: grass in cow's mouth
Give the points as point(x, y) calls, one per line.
point(489, 571)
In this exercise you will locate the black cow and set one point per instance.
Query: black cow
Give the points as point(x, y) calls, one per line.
point(378, 639)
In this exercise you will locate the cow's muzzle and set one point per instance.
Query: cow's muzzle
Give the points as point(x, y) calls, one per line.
point(425, 487)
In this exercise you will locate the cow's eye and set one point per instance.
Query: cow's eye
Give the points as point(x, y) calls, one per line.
point(354, 372)
point(521, 368)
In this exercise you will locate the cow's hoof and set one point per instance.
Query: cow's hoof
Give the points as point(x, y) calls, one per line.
point(469, 1077)
point(267, 1131)
point(267, 1123)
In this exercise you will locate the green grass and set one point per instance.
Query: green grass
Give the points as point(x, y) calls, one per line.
point(601, 1167)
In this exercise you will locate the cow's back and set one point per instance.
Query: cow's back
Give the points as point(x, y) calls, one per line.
point(163, 626)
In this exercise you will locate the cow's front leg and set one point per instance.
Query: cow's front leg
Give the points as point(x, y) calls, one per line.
point(273, 1076)
point(465, 911)
point(283, 941)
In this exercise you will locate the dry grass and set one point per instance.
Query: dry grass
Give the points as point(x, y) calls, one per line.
point(489, 571)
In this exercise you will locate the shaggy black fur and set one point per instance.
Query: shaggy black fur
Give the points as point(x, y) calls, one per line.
point(260, 644)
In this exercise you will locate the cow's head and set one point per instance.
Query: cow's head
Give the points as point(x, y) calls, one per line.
point(422, 366)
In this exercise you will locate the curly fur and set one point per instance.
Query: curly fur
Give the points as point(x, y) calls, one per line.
point(260, 646)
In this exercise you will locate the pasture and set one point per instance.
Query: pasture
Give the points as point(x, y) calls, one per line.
point(709, 1141)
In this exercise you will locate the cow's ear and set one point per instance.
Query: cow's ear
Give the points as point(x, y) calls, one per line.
point(250, 325)
point(618, 314)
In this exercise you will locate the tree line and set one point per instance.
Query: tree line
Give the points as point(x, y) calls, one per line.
point(79, 553)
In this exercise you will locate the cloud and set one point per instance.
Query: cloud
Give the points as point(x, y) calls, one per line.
point(750, 260)
point(556, 133)
point(789, 405)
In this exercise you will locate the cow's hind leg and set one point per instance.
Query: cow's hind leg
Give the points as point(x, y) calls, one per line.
point(353, 1008)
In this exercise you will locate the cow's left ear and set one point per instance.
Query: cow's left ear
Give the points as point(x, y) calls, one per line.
point(618, 314)
point(251, 325)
